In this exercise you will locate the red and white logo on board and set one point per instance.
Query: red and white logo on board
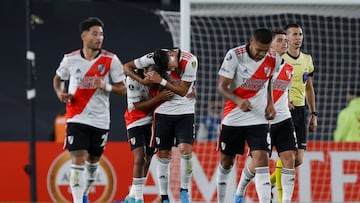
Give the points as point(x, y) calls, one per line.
point(58, 178)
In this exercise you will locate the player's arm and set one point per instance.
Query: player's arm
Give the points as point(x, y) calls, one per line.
point(223, 88)
point(270, 108)
point(129, 69)
point(59, 88)
point(310, 99)
point(115, 88)
point(139, 63)
point(119, 88)
point(181, 88)
point(149, 104)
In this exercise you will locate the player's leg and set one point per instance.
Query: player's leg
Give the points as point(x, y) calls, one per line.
point(278, 184)
point(273, 176)
point(139, 139)
point(223, 173)
point(284, 139)
point(164, 158)
point(247, 174)
point(77, 144)
point(300, 124)
point(98, 138)
point(230, 143)
point(259, 141)
point(184, 132)
point(138, 176)
point(164, 143)
point(77, 175)
point(150, 151)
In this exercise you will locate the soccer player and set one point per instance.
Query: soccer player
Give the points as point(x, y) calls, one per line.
point(141, 102)
point(174, 119)
point(89, 71)
point(281, 131)
point(301, 92)
point(244, 80)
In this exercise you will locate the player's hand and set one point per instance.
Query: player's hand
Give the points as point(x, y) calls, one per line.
point(146, 81)
point(99, 82)
point(270, 112)
point(244, 104)
point(313, 123)
point(192, 94)
point(166, 94)
point(64, 96)
point(153, 77)
point(291, 105)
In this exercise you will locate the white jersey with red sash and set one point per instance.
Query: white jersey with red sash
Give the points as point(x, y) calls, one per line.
point(281, 84)
point(250, 81)
point(89, 105)
point(137, 92)
point(186, 71)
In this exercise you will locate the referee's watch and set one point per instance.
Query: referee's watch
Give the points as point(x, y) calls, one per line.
point(314, 113)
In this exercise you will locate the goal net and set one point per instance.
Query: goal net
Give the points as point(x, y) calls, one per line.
point(331, 171)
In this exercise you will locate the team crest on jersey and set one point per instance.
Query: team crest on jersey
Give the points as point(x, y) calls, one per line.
point(228, 57)
point(70, 139)
point(133, 141)
point(101, 68)
point(288, 74)
point(193, 64)
point(267, 71)
point(131, 87)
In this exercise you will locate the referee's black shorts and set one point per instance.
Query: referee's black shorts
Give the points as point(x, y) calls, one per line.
point(299, 118)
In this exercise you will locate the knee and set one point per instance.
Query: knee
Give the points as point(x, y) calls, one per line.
point(227, 162)
point(139, 160)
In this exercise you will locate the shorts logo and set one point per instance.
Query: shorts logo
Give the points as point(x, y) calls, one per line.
point(133, 141)
point(157, 140)
point(58, 177)
point(70, 139)
point(223, 145)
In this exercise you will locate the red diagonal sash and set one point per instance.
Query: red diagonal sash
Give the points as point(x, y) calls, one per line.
point(82, 96)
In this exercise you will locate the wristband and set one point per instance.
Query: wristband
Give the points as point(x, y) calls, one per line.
point(314, 113)
point(163, 82)
point(108, 87)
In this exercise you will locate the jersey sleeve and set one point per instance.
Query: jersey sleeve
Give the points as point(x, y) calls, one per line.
point(63, 69)
point(133, 92)
point(311, 65)
point(228, 66)
point(190, 70)
point(116, 70)
point(144, 61)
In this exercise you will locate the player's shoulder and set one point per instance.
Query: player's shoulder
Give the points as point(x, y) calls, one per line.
point(131, 82)
point(107, 53)
point(73, 53)
point(239, 50)
point(187, 55)
point(305, 55)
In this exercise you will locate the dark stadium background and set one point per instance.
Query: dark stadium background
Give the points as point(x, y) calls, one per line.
point(131, 29)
